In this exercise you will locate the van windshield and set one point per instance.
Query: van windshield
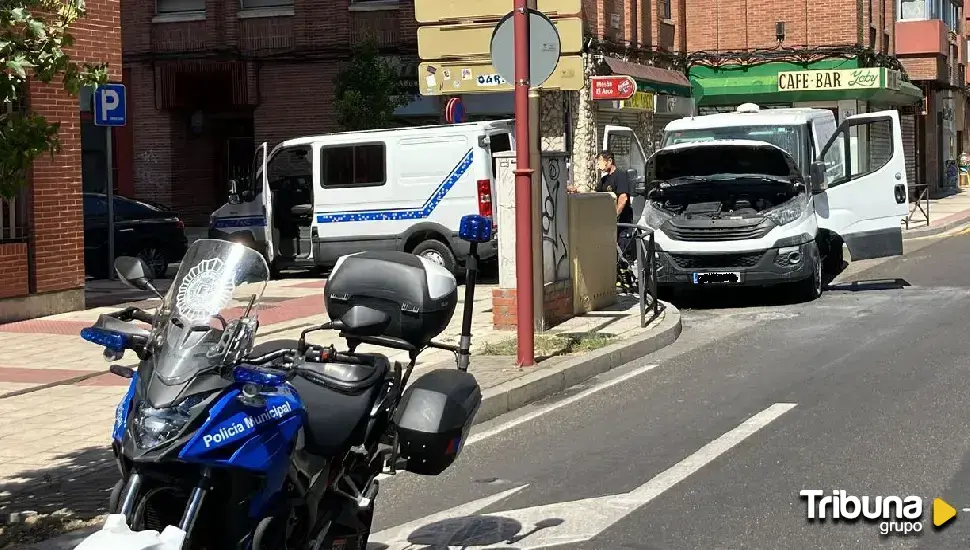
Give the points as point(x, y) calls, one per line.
point(792, 139)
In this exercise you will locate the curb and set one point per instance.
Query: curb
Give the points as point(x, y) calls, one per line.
point(517, 393)
point(961, 219)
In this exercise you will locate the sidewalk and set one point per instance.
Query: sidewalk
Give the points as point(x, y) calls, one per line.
point(57, 401)
point(946, 213)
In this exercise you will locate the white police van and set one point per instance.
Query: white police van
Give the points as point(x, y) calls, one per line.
point(764, 197)
point(314, 199)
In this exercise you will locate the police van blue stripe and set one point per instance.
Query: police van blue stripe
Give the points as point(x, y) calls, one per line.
point(239, 221)
point(403, 213)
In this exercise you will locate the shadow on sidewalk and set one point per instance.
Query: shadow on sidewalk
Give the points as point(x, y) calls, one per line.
point(66, 496)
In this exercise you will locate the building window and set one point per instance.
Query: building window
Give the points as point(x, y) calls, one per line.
point(262, 4)
point(353, 165)
point(179, 6)
point(665, 11)
point(912, 9)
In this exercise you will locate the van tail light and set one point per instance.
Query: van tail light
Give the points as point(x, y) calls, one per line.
point(485, 198)
point(179, 223)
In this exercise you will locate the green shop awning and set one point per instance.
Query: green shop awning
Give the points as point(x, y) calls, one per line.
point(787, 83)
point(651, 79)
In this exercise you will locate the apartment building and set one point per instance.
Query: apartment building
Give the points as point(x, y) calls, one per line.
point(932, 45)
point(209, 79)
point(42, 230)
point(829, 54)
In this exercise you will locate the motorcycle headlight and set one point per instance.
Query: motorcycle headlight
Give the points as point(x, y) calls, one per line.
point(653, 217)
point(786, 213)
point(152, 426)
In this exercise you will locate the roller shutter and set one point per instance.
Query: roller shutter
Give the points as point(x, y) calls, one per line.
point(908, 123)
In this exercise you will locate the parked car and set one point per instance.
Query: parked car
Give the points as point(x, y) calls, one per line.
point(142, 229)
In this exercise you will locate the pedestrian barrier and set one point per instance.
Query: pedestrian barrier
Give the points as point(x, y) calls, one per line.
point(645, 272)
point(921, 193)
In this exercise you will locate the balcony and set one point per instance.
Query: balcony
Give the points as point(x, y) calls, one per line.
point(928, 37)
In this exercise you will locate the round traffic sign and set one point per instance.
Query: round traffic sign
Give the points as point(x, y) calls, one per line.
point(545, 47)
point(454, 111)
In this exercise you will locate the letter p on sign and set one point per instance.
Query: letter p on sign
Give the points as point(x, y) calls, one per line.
point(110, 105)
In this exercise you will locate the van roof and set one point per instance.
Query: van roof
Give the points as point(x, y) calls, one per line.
point(484, 124)
point(796, 115)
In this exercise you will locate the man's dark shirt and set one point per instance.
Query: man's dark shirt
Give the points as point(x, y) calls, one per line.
point(619, 183)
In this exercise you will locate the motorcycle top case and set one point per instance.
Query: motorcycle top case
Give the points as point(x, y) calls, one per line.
point(434, 417)
point(417, 296)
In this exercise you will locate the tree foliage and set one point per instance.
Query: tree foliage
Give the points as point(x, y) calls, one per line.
point(368, 90)
point(33, 38)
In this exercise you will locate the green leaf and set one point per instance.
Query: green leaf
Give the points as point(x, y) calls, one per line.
point(18, 66)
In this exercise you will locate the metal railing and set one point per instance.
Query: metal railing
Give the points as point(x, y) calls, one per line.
point(921, 204)
point(646, 271)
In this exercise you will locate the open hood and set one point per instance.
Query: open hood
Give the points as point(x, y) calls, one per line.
point(691, 162)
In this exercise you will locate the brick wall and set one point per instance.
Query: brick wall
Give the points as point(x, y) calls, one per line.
point(748, 24)
point(57, 231)
point(557, 306)
point(504, 307)
point(291, 93)
point(13, 270)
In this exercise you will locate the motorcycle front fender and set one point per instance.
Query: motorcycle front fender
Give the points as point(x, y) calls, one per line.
point(116, 535)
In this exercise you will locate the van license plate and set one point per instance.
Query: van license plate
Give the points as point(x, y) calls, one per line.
point(723, 277)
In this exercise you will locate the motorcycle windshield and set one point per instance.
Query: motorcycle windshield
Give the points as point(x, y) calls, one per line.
point(218, 282)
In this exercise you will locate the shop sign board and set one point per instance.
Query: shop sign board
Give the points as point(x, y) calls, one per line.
point(640, 101)
point(612, 88)
point(480, 76)
point(442, 11)
point(836, 79)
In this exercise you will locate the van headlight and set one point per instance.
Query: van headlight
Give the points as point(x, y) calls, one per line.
point(653, 217)
point(786, 213)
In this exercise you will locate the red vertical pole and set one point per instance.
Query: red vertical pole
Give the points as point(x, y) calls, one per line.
point(525, 320)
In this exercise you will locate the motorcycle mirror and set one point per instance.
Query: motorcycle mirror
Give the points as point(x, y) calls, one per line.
point(135, 273)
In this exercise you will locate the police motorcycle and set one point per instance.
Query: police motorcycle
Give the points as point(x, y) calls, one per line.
point(223, 446)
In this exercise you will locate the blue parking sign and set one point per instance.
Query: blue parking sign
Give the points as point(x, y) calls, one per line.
point(110, 105)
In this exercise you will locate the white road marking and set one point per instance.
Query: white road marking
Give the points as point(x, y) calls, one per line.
point(562, 522)
point(519, 420)
point(528, 417)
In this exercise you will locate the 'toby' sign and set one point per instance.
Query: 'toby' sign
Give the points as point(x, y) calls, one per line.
point(110, 105)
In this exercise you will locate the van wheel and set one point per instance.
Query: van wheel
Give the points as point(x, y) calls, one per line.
point(438, 252)
point(810, 289)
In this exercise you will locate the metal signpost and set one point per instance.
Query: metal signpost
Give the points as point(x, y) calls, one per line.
point(525, 50)
point(110, 110)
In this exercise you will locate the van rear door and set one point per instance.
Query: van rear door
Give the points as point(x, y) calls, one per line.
point(265, 197)
point(867, 190)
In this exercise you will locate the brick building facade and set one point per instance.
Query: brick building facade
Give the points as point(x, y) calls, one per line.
point(210, 79)
point(42, 235)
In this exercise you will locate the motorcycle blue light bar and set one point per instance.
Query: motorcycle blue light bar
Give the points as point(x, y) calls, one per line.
point(246, 375)
point(114, 341)
point(475, 229)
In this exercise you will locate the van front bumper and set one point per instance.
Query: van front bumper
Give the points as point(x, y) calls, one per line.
point(757, 268)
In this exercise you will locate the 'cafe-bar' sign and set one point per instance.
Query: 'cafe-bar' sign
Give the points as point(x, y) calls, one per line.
point(843, 79)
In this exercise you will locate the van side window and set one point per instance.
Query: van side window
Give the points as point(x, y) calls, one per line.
point(358, 165)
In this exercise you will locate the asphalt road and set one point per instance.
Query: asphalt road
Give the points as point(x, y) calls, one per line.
point(865, 390)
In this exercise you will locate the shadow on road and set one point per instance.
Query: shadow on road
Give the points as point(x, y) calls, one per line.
point(472, 532)
point(875, 284)
point(67, 495)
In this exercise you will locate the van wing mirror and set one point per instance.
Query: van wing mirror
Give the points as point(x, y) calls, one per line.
point(817, 176)
point(234, 192)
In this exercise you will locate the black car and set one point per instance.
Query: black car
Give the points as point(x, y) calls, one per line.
point(142, 229)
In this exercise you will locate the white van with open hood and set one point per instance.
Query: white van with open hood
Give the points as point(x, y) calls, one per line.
point(768, 199)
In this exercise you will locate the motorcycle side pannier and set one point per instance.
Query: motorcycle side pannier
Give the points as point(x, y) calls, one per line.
point(433, 419)
point(417, 296)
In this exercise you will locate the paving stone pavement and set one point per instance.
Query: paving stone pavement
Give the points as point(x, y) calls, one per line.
point(54, 435)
